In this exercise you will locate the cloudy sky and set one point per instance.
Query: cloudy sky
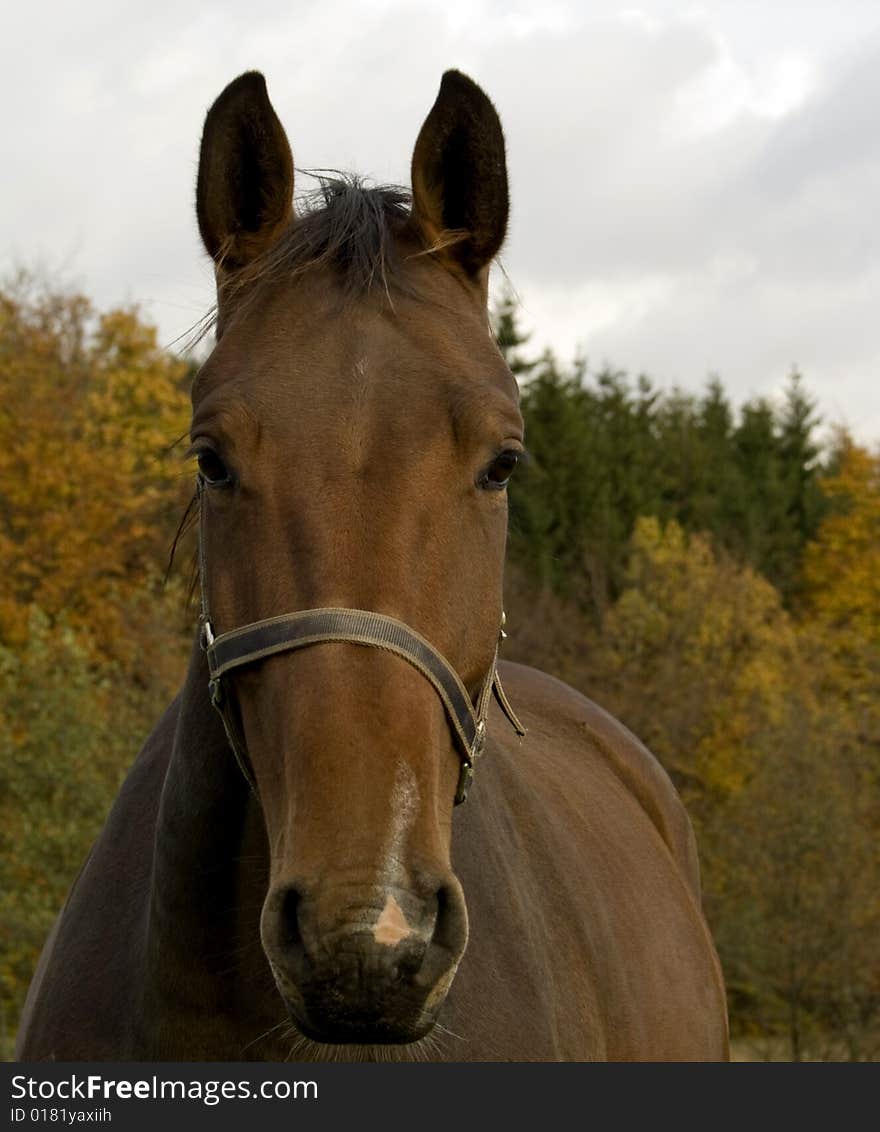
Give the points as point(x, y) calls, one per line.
point(695, 187)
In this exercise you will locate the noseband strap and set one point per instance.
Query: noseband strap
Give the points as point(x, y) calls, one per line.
point(261, 639)
point(290, 631)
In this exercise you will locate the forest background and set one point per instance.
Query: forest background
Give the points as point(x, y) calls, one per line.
point(708, 573)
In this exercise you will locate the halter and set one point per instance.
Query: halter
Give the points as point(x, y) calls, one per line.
point(251, 643)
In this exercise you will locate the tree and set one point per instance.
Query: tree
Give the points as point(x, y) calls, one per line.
point(92, 644)
point(842, 563)
point(783, 504)
point(505, 322)
point(606, 450)
point(775, 748)
point(90, 409)
point(695, 655)
point(592, 471)
point(792, 886)
point(68, 733)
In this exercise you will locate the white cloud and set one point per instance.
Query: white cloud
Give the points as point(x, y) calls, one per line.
point(694, 188)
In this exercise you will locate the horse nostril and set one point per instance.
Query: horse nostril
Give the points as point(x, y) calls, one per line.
point(447, 943)
point(450, 927)
point(290, 936)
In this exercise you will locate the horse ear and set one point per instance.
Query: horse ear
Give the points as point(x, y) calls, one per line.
point(459, 175)
point(245, 182)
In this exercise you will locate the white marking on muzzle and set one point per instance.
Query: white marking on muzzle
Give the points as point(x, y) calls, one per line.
point(391, 927)
point(403, 808)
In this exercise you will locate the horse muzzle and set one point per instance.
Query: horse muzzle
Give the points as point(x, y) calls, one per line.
point(364, 964)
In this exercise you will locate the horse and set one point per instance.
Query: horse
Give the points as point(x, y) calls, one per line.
point(286, 871)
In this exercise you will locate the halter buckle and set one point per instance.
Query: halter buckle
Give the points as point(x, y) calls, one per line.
point(206, 634)
point(479, 739)
point(465, 777)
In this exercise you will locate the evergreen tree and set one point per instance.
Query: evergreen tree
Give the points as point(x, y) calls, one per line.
point(508, 335)
point(778, 459)
point(799, 474)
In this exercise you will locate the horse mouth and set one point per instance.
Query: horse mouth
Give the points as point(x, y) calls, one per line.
point(351, 1027)
point(340, 1007)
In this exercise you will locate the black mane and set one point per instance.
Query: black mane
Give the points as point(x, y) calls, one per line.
point(345, 225)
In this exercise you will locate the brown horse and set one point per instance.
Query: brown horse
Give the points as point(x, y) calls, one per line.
point(355, 429)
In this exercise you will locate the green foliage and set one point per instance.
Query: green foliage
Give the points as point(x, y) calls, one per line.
point(795, 876)
point(508, 334)
point(68, 732)
point(588, 479)
point(606, 450)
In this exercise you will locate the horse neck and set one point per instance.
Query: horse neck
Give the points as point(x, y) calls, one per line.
point(209, 876)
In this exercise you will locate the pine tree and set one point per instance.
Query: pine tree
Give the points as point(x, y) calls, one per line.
point(505, 322)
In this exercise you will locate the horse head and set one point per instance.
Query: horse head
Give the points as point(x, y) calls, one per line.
point(355, 428)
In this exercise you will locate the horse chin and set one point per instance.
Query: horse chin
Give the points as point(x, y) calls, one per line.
point(335, 1022)
point(351, 1031)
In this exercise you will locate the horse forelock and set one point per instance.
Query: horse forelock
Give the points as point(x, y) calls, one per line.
point(344, 225)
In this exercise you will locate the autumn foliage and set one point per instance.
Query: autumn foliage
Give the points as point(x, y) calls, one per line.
point(709, 575)
point(91, 639)
point(90, 409)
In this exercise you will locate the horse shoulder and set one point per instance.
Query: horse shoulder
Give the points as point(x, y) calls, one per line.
point(555, 709)
point(575, 841)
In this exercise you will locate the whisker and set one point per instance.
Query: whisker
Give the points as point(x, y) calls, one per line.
point(265, 1034)
point(440, 1028)
point(186, 524)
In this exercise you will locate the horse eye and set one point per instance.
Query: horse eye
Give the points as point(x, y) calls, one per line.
point(499, 471)
point(213, 471)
